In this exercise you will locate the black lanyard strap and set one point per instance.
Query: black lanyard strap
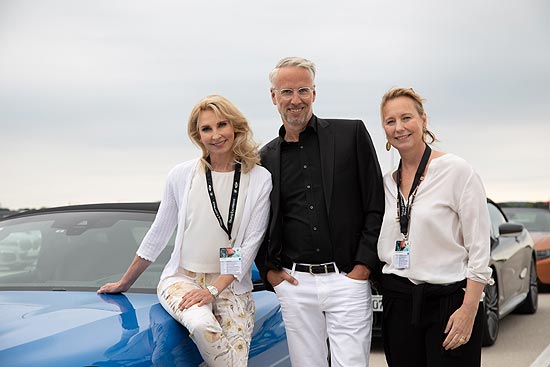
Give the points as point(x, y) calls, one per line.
point(404, 210)
point(232, 204)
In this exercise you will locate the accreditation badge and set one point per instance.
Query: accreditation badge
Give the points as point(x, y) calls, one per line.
point(402, 254)
point(230, 260)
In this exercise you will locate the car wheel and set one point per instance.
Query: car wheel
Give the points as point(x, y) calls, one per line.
point(490, 319)
point(530, 305)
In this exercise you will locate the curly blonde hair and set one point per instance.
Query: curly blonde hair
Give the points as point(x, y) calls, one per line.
point(244, 147)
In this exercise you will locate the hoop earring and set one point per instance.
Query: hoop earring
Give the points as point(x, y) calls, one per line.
point(388, 146)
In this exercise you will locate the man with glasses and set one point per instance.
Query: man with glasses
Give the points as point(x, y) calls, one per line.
point(327, 205)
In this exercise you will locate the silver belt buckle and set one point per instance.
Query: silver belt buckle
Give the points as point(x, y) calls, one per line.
point(311, 267)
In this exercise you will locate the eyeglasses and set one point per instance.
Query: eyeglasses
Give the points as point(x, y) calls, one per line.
point(288, 93)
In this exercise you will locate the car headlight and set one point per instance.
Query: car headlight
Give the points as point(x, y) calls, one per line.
point(543, 254)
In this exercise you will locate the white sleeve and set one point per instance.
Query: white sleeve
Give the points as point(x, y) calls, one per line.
point(475, 224)
point(165, 222)
point(257, 226)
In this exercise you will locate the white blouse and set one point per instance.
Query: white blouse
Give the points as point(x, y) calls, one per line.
point(203, 235)
point(449, 228)
point(172, 213)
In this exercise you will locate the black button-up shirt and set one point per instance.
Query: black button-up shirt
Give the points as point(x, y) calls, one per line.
point(306, 235)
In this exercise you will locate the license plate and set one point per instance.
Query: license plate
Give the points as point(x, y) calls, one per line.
point(377, 303)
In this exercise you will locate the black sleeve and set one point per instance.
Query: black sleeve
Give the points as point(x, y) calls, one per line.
point(372, 196)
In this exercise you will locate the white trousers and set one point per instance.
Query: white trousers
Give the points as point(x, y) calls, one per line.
point(325, 306)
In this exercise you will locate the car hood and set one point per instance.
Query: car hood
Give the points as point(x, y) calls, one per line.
point(27, 316)
point(66, 328)
point(56, 328)
point(542, 240)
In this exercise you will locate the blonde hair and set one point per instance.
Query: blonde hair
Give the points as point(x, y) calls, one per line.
point(244, 147)
point(418, 103)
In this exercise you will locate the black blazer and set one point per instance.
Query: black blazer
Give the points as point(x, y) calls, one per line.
point(354, 195)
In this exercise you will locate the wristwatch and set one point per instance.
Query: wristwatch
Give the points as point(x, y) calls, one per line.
point(213, 290)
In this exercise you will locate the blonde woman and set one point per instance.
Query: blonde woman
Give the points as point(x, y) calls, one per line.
point(435, 252)
point(220, 206)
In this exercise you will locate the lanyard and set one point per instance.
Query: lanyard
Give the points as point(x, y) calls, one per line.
point(232, 204)
point(404, 210)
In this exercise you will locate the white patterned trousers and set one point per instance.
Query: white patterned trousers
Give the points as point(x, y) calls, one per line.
point(221, 330)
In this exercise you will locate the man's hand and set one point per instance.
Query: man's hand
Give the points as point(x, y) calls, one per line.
point(359, 272)
point(276, 277)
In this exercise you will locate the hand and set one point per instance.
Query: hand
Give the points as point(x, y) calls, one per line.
point(116, 287)
point(199, 297)
point(276, 277)
point(359, 272)
point(459, 327)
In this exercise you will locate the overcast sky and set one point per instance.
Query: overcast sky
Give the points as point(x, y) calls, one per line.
point(95, 95)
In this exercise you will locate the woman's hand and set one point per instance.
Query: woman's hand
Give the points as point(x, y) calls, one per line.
point(116, 287)
point(199, 297)
point(460, 324)
point(135, 269)
point(459, 327)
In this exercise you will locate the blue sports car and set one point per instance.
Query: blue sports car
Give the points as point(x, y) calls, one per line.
point(51, 315)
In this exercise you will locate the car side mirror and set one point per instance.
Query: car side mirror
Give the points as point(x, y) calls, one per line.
point(510, 229)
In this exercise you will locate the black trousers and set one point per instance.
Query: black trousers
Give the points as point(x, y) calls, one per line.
point(416, 340)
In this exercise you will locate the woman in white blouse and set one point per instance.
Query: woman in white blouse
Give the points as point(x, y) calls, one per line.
point(220, 206)
point(434, 246)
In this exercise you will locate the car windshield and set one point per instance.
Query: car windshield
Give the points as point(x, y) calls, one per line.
point(75, 250)
point(534, 219)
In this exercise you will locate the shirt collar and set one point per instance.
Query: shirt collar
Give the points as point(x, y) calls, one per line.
point(311, 125)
